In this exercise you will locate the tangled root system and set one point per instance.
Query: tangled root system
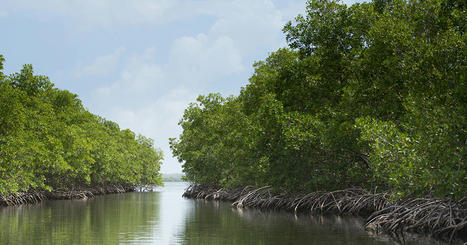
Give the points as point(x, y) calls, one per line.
point(442, 219)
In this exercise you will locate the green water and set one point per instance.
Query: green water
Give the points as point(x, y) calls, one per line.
point(164, 217)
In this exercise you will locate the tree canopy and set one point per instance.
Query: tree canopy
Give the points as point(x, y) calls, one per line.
point(370, 95)
point(48, 140)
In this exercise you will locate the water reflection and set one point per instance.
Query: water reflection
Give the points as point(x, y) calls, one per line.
point(111, 219)
point(164, 217)
point(217, 223)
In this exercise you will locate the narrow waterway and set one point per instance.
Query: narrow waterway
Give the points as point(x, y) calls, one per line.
point(164, 217)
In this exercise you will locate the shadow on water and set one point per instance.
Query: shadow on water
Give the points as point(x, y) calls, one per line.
point(214, 222)
point(110, 219)
point(164, 217)
point(211, 222)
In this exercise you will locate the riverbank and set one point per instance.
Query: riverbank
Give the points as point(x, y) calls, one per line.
point(33, 197)
point(439, 218)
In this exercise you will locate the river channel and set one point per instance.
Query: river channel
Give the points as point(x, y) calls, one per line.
point(165, 217)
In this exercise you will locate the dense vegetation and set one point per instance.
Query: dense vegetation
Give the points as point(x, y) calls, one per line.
point(371, 95)
point(48, 140)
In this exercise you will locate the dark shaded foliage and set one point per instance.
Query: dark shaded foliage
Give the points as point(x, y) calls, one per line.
point(372, 96)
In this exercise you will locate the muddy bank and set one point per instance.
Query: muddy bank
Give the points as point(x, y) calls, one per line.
point(32, 197)
point(439, 218)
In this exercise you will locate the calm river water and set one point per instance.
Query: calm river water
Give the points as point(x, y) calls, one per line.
point(164, 217)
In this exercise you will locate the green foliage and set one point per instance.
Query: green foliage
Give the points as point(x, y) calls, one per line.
point(370, 95)
point(202, 148)
point(49, 141)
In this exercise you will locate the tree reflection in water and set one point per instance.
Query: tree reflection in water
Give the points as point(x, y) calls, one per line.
point(110, 219)
point(164, 217)
point(211, 222)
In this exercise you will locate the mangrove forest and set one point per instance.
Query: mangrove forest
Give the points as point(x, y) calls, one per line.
point(369, 98)
point(50, 143)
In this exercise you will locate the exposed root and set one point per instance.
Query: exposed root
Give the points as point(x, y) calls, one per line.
point(349, 201)
point(22, 198)
point(33, 197)
point(442, 219)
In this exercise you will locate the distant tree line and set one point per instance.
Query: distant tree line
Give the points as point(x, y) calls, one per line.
point(48, 140)
point(172, 177)
point(372, 95)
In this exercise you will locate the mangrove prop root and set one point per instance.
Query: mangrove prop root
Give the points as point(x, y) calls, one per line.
point(442, 219)
point(33, 197)
point(22, 198)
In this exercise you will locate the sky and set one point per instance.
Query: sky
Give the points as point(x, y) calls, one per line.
point(141, 62)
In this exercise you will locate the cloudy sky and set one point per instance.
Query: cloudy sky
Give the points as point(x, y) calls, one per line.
point(140, 62)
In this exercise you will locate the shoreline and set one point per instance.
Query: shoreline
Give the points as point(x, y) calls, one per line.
point(34, 197)
point(441, 219)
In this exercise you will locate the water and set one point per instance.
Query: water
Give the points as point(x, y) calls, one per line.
point(164, 217)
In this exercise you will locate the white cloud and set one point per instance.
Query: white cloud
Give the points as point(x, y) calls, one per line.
point(150, 98)
point(149, 95)
point(234, 16)
point(88, 14)
point(194, 62)
point(199, 60)
point(137, 86)
point(252, 24)
point(101, 65)
point(158, 120)
point(293, 9)
point(139, 76)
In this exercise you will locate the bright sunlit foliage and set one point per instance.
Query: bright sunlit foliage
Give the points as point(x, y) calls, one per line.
point(49, 141)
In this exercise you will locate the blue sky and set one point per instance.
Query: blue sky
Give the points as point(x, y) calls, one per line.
point(139, 63)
